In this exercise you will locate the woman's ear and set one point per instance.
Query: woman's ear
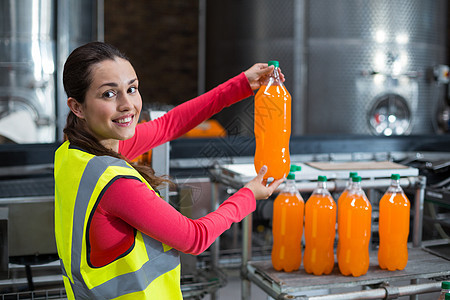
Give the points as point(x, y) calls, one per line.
point(76, 107)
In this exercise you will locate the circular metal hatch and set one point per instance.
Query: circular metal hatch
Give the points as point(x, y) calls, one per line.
point(390, 115)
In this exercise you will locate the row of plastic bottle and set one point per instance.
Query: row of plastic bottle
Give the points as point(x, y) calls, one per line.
point(272, 128)
point(354, 219)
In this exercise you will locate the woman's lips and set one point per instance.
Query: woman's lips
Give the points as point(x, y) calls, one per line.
point(124, 121)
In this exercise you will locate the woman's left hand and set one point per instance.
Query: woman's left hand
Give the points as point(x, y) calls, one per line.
point(257, 72)
point(258, 185)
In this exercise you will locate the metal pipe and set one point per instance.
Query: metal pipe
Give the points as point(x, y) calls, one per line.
point(414, 297)
point(246, 256)
point(62, 51)
point(300, 72)
point(380, 293)
point(215, 247)
point(201, 46)
point(265, 287)
point(339, 185)
point(27, 199)
point(100, 20)
point(364, 294)
point(416, 289)
point(418, 210)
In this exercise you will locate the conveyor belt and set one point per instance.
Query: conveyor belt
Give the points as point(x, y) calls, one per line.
point(29, 187)
point(421, 264)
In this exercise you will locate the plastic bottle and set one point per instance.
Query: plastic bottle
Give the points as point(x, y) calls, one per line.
point(272, 126)
point(354, 231)
point(287, 227)
point(393, 227)
point(445, 289)
point(342, 196)
point(320, 230)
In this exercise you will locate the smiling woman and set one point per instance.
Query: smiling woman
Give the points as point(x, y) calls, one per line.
point(112, 104)
point(115, 236)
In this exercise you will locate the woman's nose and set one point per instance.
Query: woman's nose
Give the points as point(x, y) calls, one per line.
point(125, 102)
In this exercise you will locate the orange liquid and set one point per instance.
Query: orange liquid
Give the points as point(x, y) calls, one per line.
point(272, 130)
point(320, 231)
point(393, 230)
point(287, 230)
point(341, 197)
point(354, 234)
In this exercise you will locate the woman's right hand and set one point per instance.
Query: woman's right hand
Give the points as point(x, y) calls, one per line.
point(258, 72)
point(258, 185)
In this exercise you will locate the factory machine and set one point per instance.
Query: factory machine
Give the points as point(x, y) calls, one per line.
point(35, 38)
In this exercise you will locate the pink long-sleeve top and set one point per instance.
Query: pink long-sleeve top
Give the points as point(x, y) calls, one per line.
point(128, 204)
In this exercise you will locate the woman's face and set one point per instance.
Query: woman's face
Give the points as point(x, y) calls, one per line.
point(113, 103)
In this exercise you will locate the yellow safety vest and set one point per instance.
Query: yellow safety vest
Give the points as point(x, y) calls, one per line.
point(148, 270)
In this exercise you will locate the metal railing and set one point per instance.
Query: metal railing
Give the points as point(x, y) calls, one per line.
point(36, 295)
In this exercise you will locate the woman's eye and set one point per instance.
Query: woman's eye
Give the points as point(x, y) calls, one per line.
point(132, 90)
point(108, 94)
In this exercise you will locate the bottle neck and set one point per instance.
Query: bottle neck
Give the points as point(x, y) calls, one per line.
point(355, 186)
point(290, 186)
point(322, 185)
point(276, 73)
point(349, 184)
point(321, 189)
point(273, 78)
point(395, 186)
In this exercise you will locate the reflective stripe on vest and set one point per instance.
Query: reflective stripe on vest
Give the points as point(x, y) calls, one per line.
point(158, 263)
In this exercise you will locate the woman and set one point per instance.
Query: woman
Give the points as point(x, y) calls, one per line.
point(115, 237)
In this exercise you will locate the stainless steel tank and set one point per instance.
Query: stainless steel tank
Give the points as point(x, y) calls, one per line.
point(78, 22)
point(352, 66)
point(27, 71)
point(36, 36)
point(241, 33)
point(368, 65)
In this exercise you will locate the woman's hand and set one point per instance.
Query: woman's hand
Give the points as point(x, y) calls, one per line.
point(257, 72)
point(258, 186)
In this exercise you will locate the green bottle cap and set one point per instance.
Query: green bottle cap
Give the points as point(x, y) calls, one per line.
point(295, 168)
point(395, 176)
point(322, 178)
point(274, 63)
point(445, 285)
point(447, 296)
point(356, 178)
point(352, 174)
point(291, 176)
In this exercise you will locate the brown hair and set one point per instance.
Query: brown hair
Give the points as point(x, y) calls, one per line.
point(77, 78)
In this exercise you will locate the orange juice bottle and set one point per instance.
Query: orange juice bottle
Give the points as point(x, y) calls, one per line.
point(354, 231)
point(287, 227)
point(272, 126)
point(342, 196)
point(393, 227)
point(320, 230)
